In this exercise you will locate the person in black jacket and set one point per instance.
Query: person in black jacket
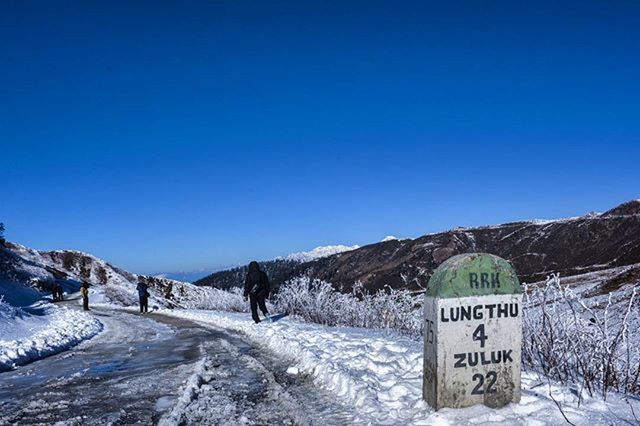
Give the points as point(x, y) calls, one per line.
point(256, 288)
point(143, 294)
point(59, 293)
point(84, 291)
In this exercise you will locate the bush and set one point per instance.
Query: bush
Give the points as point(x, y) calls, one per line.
point(581, 341)
point(215, 299)
point(317, 301)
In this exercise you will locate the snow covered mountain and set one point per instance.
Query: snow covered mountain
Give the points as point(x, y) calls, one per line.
point(536, 248)
point(319, 253)
point(279, 269)
point(25, 271)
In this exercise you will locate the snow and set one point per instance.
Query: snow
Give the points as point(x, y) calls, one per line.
point(389, 238)
point(188, 395)
point(379, 374)
point(25, 337)
point(319, 252)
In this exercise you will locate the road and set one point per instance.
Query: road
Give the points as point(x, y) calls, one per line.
point(158, 369)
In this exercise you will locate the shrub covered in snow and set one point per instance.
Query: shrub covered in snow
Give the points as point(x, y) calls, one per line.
point(582, 341)
point(215, 299)
point(317, 301)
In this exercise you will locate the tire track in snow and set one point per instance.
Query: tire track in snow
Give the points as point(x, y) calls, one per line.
point(240, 384)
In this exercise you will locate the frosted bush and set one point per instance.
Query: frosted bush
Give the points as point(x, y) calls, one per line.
point(581, 341)
point(215, 299)
point(317, 301)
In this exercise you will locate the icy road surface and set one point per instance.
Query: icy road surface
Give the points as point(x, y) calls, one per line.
point(156, 369)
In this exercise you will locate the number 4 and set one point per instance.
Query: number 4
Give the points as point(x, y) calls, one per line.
point(479, 335)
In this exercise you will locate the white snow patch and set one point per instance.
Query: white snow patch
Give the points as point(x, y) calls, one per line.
point(25, 337)
point(189, 393)
point(319, 252)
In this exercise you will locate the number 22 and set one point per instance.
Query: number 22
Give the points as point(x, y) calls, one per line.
point(491, 377)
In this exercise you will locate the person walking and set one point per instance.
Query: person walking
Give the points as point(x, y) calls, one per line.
point(60, 293)
point(256, 288)
point(54, 291)
point(84, 291)
point(143, 293)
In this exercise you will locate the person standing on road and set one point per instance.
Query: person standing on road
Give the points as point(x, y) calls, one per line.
point(143, 293)
point(54, 291)
point(256, 288)
point(84, 291)
point(59, 293)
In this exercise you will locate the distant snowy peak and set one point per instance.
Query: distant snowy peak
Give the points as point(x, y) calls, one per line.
point(319, 252)
point(389, 238)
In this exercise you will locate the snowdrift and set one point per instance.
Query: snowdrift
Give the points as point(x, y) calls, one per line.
point(25, 337)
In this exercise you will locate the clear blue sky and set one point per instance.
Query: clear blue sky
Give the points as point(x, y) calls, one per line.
point(179, 135)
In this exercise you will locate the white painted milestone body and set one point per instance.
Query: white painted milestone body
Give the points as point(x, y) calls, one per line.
point(472, 333)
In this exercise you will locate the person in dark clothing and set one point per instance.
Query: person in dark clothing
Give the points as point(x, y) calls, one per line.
point(256, 288)
point(143, 293)
point(59, 293)
point(54, 292)
point(84, 291)
point(168, 294)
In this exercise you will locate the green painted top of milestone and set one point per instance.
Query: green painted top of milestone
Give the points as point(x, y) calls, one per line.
point(473, 274)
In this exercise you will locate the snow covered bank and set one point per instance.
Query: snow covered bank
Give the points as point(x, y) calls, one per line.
point(379, 374)
point(25, 337)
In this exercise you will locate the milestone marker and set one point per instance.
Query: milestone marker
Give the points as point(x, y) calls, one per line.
point(472, 333)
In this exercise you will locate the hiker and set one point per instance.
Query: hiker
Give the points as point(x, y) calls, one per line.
point(84, 291)
point(168, 294)
point(59, 293)
point(256, 288)
point(143, 293)
point(54, 291)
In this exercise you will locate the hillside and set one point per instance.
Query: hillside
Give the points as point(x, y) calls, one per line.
point(27, 274)
point(535, 248)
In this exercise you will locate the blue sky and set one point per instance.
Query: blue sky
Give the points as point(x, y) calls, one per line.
point(181, 135)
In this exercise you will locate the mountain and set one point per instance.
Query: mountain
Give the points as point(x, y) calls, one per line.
point(190, 276)
point(535, 248)
point(25, 274)
point(279, 269)
point(319, 252)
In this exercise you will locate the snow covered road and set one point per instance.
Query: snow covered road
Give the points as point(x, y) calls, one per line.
point(116, 377)
point(154, 368)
